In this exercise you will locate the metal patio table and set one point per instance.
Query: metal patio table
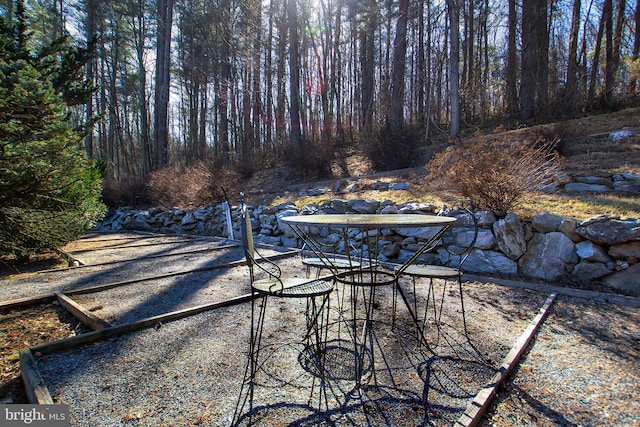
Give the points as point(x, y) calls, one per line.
point(367, 273)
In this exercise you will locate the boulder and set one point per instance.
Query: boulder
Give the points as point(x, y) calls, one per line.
point(626, 280)
point(485, 218)
point(417, 208)
point(399, 186)
point(586, 271)
point(625, 250)
point(546, 222)
point(627, 186)
point(580, 186)
point(549, 256)
point(480, 261)
point(568, 227)
point(390, 249)
point(601, 180)
point(589, 251)
point(485, 240)
point(364, 206)
point(609, 231)
point(510, 236)
point(284, 227)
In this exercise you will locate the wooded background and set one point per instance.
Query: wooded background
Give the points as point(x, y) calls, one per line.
point(230, 82)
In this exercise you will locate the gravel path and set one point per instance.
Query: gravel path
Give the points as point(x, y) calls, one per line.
point(581, 369)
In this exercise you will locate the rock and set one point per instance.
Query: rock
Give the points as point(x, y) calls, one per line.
point(589, 251)
point(586, 271)
point(290, 242)
point(607, 231)
point(481, 261)
point(139, 222)
point(549, 256)
point(399, 186)
point(579, 186)
point(628, 186)
point(631, 176)
point(485, 218)
point(188, 219)
point(423, 233)
point(593, 180)
point(626, 280)
point(546, 222)
point(625, 250)
point(621, 134)
point(284, 227)
point(485, 239)
point(389, 210)
point(391, 249)
point(337, 206)
point(417, 208)
point(568, 227)
point(510, 236)
point(364, 206)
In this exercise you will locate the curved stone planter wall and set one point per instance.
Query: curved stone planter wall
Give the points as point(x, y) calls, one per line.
point(550, 247)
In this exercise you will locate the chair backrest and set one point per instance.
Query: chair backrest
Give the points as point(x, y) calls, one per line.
point(254, 259)
point(247, 232)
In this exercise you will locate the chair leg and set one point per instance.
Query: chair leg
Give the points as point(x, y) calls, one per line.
point(316, 341)
point(248, 381)
point(464, 317)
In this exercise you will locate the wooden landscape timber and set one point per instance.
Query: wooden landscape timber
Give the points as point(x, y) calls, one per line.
point(79, 312)
point(34, 385)
point(472, 415)
point(560, 290)
point(42, 299)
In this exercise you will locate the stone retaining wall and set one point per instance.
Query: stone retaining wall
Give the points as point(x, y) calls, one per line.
point(549, 247)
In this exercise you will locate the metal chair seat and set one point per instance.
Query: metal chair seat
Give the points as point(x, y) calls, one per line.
point(292, 287)
point(435, 271)
point(339, 263)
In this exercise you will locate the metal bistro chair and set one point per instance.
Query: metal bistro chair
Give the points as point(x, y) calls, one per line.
point(457, 242)
point(267, 281)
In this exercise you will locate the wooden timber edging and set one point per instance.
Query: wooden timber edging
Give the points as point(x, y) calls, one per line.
point(113, 331)
point(34, 385)
point(79, 312)
point(476, 409)
point(560, 290)
point(47, 298)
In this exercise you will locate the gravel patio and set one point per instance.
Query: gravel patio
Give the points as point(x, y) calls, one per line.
point(580, 368)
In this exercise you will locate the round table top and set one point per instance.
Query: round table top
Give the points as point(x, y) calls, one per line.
point(370, 220)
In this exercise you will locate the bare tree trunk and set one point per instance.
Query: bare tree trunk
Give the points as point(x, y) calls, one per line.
point(398, 69)
point(294, 81)
point(91, 33)
point(454, 66)
point(511, 67)
point(145, 141)
point(570, 97)
point(534, 81)
point(636, 47)
point(609, 74)
point(163, 60)
point(367, 50)
point(421, 72)
point(617, 43)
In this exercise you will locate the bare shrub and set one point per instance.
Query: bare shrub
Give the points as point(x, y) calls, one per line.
point(199, 185)
point(495, 175)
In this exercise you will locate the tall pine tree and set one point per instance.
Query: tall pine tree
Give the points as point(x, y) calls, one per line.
point(49, 190)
